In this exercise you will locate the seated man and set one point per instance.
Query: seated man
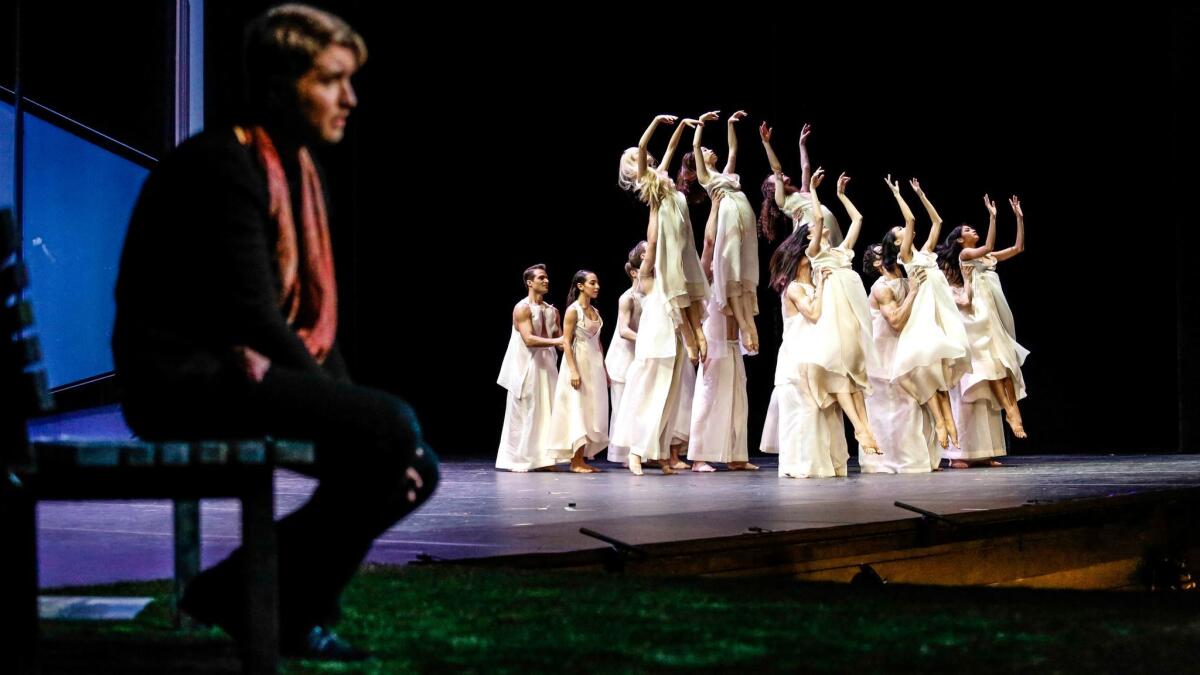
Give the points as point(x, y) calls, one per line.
point(227, 319)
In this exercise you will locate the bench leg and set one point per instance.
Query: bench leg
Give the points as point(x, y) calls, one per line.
point(18, 569)
point(187, 553)
point(262, 574)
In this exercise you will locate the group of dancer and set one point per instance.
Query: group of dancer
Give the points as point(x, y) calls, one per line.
point(924, 365)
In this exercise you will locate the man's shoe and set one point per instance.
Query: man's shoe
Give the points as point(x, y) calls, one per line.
point(321, 643)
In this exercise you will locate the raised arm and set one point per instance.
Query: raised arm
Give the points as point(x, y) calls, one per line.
point(645, 140)
point(1019, 246)
point(805, 167)
point(646, 271)
point(817, 228)
point(625, 317)
point(731, 133)
point(702, 173)
point(910, 221)
point(764, 132)
point(990, 242)
point(666, 160)
point(855, 216)
point(935, 227)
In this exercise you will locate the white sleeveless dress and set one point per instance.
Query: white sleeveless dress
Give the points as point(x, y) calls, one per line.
point(932, 353)
point(798, 206)
point(647, 420)
point(995, 354)
point(810, 439)
point(580, 416)
point(841, 341)
point(720, 412)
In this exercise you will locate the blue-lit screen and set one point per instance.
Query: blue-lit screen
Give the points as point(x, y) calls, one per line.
point(8, 120)
point(78, 198)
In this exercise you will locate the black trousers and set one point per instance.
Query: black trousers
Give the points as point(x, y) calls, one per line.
point(366, 440)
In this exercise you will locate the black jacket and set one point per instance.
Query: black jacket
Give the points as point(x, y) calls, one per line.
point(198, 274)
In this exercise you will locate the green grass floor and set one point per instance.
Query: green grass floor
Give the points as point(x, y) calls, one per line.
point(467, 620)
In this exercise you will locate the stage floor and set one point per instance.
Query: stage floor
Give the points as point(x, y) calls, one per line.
point(478, 511)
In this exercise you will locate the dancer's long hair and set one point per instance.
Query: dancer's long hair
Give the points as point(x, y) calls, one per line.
point(870, 255)
point(770, 219)
point(687, 183)
point(579, 278)
point(890, 251)
point(948, 256)
point(651, 189)
point(787, 259)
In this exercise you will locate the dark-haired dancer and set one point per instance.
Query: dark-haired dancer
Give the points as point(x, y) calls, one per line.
point(579, 421)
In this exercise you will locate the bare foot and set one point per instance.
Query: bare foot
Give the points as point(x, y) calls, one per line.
point(959, 464)
point(742, 466)
point(635, 465)
point(701, 346)
point(681, 465)
point(750, 341)
point(703, 467)
point(952, 431)
point(942, 438)
point(692, 354)
point(667, 469)
point(584, 467)
point(993, 462)
point(1014, 423)
point(868, 442)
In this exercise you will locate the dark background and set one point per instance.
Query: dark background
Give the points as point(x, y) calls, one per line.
point(485, 142)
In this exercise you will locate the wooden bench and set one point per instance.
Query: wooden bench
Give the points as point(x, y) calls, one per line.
point(71, 469)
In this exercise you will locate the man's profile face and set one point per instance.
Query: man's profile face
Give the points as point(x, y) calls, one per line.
point(325, 93)
point(540, 282)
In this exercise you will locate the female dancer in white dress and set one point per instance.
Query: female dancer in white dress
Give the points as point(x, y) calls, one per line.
point(809, 439)
point(902, 426)
point(995, 382)
point(681, 432)
point(683, 279)
point(720, 410)
point(650, 402)
point(579, 422)
point(840, 344)
point(529, 375)
point(620, 350)
point(791, 201)
point(621, 355)
point(932, 353)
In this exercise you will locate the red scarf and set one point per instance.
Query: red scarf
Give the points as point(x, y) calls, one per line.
point(308, 298)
